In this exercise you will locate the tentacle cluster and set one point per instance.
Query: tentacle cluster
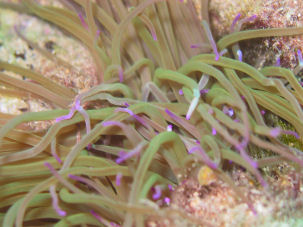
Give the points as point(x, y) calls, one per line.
point(166, 105)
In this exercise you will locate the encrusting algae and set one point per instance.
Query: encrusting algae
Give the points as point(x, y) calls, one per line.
point(167, 111)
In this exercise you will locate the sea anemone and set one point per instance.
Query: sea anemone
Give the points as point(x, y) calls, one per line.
point(170, 95)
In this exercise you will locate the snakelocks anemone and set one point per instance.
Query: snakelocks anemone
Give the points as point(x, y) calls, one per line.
point(168, 103)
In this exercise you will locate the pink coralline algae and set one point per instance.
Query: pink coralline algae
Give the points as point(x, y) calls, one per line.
point(270, 14)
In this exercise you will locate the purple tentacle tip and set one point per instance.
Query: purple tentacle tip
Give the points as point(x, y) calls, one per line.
point(154, 36)
point(232, 27)
point(118, 179)
point(97, 216)
point(122, 157)
point(55, 202)
point(240, 55)
point(278, 63)
point(275, 132)
point(204, 91)
point(170, 187)
point(300, 58)
point(169, 128)
point(167, 200)
point(158, 192)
